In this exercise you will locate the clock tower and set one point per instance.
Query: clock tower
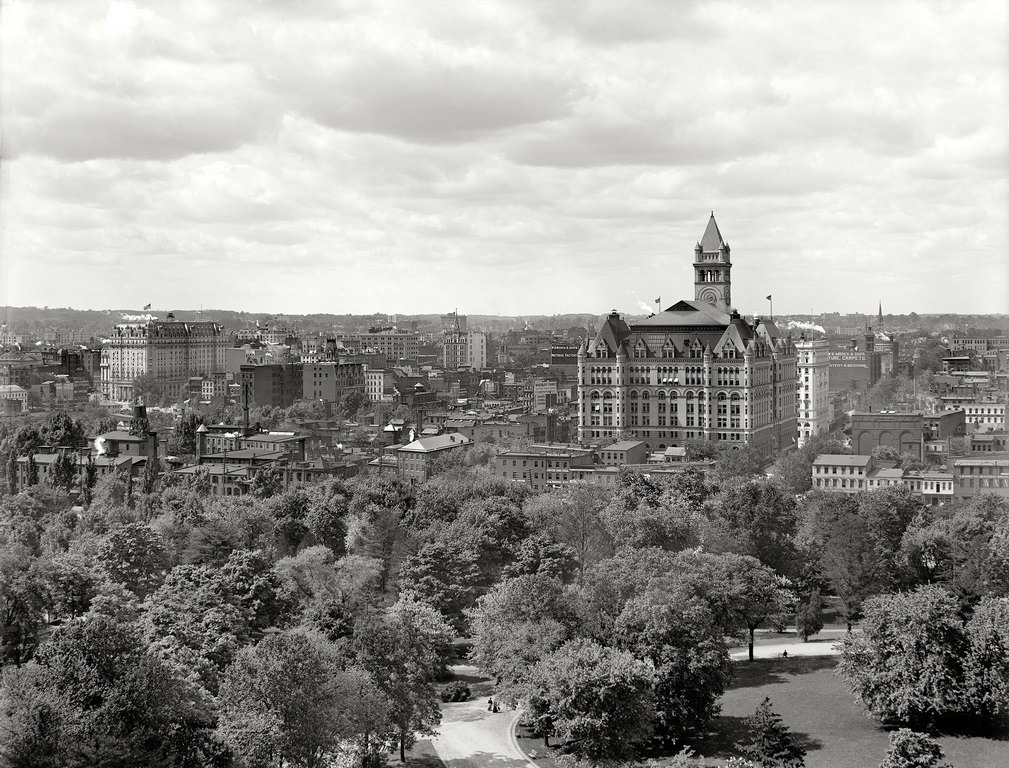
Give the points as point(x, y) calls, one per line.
point(712, 267)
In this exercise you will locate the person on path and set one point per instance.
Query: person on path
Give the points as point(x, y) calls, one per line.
point(490, 704)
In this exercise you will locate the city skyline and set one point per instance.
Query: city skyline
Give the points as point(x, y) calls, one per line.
point(504, 158)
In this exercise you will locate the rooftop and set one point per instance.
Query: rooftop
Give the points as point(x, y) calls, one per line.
point(623, 445)
point(436, 443)
point(842, 460)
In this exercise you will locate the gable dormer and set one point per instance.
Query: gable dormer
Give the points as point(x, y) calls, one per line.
point(668, 348)
point(696, 348)
point(641, 349)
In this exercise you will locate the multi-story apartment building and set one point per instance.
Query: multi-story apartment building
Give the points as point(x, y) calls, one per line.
point(394, 343)
point(276, 384)
point(697, 370)
point(476, 350)
point(986, 416)
point(812, 388)
point(330, 381)
point(167, 350)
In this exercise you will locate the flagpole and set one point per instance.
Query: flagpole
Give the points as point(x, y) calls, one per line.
point(658, 303)
point(771, 302)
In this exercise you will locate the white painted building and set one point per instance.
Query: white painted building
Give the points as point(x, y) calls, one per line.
point(812, 388)
point(476, 350)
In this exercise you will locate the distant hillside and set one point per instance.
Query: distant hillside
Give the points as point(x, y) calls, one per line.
point(99, 323)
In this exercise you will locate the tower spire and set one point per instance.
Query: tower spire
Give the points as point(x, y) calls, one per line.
point(712, 268)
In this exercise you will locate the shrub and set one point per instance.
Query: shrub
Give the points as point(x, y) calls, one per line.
point(455, 691)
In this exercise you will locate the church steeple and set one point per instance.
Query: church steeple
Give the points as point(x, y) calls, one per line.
point(712, 268)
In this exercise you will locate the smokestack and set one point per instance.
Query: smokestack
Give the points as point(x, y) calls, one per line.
point(245, 409)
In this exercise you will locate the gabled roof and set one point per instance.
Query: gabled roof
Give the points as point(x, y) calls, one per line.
point(437, 443)
point(712, 238)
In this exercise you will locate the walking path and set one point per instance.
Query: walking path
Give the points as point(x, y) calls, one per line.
point(770, 645)
point(472, 737)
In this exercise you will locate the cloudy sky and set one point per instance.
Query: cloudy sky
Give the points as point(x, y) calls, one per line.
point(520, 157)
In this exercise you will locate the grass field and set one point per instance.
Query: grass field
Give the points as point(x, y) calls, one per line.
point(817, 707)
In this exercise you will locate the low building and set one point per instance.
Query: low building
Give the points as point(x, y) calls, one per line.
point(543, 466)
point(853, 474)
point(221, 438)
point(624, 452)
point(903, 431)
point(415, 460)
point(989, 442)
point(973, 476)
point(18, 396)
point(838, 472)
point(104, 465)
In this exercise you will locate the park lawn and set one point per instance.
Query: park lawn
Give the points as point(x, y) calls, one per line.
point(816, 706)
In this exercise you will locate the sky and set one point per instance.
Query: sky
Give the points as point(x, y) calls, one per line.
point(511, 158)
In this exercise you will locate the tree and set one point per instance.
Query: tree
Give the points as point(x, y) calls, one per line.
point(149, 475)
point(686, 650)
point(63, 471)
point(907, 665)
point(793, 471)
point(134, 555)
point(404, 650)
point(539, 554)
point(267, 482)
point(910, 749)
point(852, 558)
point(643, 513)
point(987, 662)
point(809, 619)
point(771, 745)
point(33, 470)
point(445, 576)
point(741, 592)
point(573, 517)
point(59, 430)
point(598, 700)
point(288, 701)
point(22, 597)
point(93, 696)
point(756, 518)
point(517, 623)
point(88, 481)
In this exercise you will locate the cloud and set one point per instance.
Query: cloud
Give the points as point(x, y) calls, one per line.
point(526, 157)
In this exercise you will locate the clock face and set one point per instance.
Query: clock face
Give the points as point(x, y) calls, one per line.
point(709, 295)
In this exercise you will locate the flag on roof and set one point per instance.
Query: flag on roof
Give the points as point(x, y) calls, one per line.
point(658, 300)
point(147, 306)
point(768, 297)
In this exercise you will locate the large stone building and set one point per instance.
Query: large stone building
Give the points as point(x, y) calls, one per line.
point(166, 350)
point(697, 370)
